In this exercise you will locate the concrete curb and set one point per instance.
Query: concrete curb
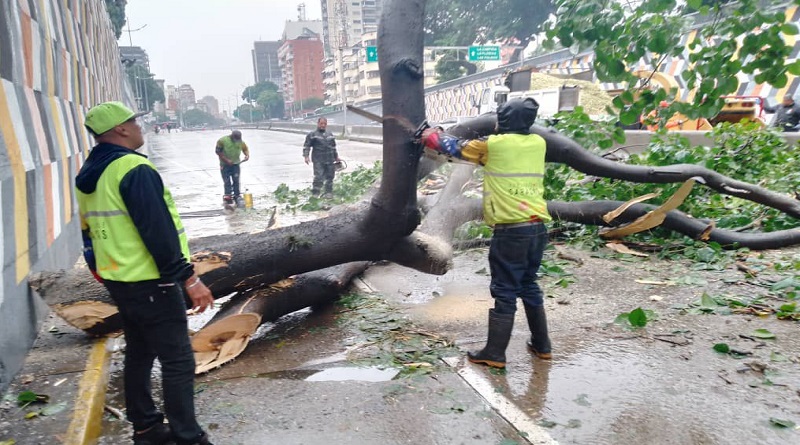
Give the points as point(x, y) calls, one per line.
point(87, 416)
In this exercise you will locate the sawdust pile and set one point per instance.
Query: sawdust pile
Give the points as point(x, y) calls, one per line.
point(593, 99)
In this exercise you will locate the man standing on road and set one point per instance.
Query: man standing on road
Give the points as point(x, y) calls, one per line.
point(135, 244)
point(787, 114)
point(513, 203)
point(229, 149)
point(323, 155)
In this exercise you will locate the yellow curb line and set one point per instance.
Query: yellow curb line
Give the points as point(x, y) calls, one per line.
point(87, 416)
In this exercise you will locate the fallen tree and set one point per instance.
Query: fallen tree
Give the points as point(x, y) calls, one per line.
point(389, 225)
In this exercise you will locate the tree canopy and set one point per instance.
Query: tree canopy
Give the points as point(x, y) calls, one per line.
point(116, 12)
point(251, 93)
point(144, 86)
point(467, 22)
point(747, 36)
point(195, 117)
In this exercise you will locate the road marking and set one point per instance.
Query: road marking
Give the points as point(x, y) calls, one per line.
point(528, 429)
point(87, 416)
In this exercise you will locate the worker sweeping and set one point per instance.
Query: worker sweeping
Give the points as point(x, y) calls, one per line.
point(229, 150)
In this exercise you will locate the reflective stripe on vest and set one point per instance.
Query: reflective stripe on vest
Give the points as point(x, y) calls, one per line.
point(513, 184)
point(119, 251)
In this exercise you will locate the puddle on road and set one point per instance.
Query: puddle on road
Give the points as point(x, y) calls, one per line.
point(338, 374)
point(353, 373)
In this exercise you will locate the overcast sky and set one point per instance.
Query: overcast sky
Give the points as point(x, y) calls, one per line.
point(207, 43)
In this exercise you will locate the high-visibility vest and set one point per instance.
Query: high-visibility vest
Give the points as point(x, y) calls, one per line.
point(118, 249)
point(513, 183)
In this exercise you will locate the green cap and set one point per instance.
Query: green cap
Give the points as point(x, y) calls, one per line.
point(108, 115)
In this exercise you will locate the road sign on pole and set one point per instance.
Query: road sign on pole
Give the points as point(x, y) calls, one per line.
point(372, 54)
point(481, 53)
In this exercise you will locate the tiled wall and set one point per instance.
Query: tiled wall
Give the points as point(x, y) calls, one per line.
point(57, 59)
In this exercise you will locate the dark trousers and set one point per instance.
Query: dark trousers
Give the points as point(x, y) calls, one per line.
point(230, 177)
point(323, 173)
point(515, 255)
point(155, 326)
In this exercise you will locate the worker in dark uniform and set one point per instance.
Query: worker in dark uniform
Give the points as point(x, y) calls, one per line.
point(321, 146)
point(787, 114)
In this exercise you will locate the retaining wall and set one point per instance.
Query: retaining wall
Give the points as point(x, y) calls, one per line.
point(57, 59)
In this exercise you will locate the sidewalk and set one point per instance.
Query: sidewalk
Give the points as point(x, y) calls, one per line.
point(291, 386)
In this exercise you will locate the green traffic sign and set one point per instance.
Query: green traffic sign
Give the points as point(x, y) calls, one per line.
point(372, 54)
point(480, 53)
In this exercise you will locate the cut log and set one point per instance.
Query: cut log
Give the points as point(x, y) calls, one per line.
point(227, 334)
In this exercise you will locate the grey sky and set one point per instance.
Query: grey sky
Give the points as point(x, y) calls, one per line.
point(207, 43)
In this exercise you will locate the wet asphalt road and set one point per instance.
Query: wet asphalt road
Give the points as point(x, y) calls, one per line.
point(294, 385)
point(190, 169)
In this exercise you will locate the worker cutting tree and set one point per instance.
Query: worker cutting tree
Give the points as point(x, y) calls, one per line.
point(514, 204)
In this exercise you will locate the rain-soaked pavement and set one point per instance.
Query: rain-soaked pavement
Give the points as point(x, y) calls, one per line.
point(297, 383)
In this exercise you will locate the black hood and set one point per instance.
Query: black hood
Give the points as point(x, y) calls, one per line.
point(99, 158)
point(516, 116)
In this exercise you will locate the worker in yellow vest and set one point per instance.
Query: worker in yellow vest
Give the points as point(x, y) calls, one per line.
point(135, 243)
point(514, 204)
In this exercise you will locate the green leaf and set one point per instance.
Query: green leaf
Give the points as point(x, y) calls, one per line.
point(26, 397)
point(778, 357)
point(707, 301)
point(789, 29)
point(628, 116)
point(781, 423)
point(722, 347)
point(794, 68)
point(56, 408)
point(638, 318)
point(763, 334)
point(790, 307)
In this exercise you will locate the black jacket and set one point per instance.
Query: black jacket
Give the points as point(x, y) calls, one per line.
point(324, 147)
point(786, 118)
point(143, 193)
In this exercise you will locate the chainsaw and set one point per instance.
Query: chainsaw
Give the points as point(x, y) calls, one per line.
point(417, 138)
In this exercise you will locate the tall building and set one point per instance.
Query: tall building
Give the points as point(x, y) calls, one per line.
point(347, 20)
point(345, 25)
point(295, 29)
point(265, 62)
point(301, 62)
point(210, 104)
point(134, 55)
point(362, 79)
point(186, 99)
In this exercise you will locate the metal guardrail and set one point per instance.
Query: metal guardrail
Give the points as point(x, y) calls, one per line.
point(635, 140)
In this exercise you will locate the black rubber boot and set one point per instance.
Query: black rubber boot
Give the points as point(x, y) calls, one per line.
point(160, 434)
point(494, 353)
point(539, 343)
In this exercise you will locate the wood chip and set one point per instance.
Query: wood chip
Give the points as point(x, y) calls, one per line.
point(621, 248)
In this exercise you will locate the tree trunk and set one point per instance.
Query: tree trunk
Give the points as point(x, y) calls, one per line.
point(227, 333)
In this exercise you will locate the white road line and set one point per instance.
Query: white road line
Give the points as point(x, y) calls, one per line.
point(529, 430)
